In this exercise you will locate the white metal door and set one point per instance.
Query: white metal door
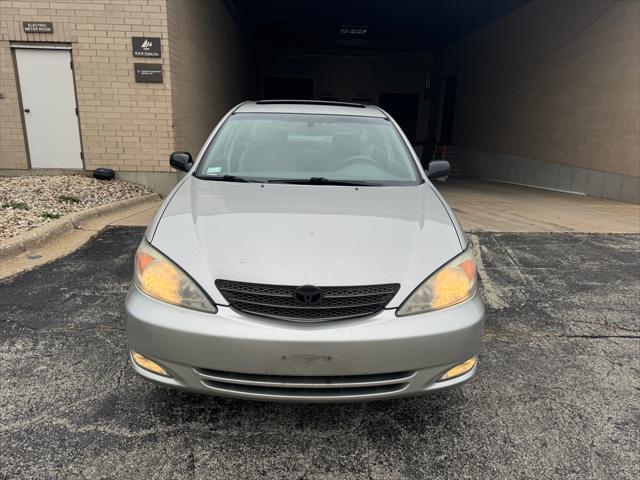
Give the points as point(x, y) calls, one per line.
point(49, 102)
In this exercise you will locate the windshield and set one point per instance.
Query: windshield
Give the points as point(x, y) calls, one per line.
point(314, 148)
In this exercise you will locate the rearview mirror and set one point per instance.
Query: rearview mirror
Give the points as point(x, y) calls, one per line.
point(438, 169)
point(181, 161)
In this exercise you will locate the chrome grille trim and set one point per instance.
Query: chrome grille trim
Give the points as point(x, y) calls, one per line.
point(277, 301)
point(305, 387)
point(311, 394)
point(315, 381)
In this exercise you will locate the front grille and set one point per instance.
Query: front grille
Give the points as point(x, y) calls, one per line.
point(278, 301)
point(305, 387)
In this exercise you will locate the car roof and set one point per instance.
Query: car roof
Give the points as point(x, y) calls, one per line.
point(316, 107)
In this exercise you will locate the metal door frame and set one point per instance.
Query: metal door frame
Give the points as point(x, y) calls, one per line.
point(45, 46)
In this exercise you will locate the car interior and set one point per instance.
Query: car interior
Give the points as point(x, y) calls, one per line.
point(301, 147)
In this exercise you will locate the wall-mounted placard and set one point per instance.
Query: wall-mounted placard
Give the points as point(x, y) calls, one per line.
point(37, 27)
point(148, 72)
point(146, 47)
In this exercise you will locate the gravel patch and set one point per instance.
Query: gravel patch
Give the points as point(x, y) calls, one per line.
point(29, 201)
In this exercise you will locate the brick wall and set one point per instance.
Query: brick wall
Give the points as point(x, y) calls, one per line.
point(12, 148)
point(124, 125)
point(208, 68)
point(555, 82)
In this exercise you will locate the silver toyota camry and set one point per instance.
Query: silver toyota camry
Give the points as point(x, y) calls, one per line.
point(305, 257)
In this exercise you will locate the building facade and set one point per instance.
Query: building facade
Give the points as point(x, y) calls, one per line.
point(546, 95)
point(123, 121)
point(559, 104)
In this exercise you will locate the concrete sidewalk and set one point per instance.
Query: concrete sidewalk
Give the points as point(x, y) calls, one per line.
point(63, 245)
point(497, 207)
point(480, 207)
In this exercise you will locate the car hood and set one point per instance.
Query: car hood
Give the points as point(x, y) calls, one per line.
point(322, 235)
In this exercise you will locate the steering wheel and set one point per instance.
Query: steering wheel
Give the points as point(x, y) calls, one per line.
point(358, 159)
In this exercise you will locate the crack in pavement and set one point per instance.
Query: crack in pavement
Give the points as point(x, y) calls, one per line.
point(597, 337)
point(122, 372)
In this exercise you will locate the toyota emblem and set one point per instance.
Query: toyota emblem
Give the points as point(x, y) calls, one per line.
point(308, 295)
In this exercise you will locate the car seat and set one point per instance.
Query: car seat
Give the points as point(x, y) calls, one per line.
point(266, 152)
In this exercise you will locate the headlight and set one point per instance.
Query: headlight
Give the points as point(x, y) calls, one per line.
point(451, 284)
point(160, 278)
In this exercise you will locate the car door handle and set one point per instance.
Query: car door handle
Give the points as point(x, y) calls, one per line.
point(26, 110)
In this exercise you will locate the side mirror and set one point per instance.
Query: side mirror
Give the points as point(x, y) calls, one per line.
point(181, 161)
point(438, 169)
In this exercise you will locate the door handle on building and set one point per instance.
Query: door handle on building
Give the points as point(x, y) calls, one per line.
point(26, 110)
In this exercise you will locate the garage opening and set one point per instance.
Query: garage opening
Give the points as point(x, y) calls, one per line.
point(532, 93)
point(366, 52)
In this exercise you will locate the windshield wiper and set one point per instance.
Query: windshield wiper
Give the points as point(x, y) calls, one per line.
point(228, 178)
point(324, 181)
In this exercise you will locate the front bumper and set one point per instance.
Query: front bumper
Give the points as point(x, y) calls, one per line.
point(232, 354)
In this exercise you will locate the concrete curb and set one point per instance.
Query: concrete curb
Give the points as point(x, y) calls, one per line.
point(40, 235)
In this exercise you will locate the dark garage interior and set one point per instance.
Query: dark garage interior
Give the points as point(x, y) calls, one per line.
point(378, 53)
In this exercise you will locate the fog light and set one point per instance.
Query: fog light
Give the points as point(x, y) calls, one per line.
point(460, 369)
point(147, 364)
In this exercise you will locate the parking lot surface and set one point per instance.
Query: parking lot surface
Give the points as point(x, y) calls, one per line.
point(499, 207)
point(557, 395)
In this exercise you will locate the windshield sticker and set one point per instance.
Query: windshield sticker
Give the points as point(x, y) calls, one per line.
point(213, 170)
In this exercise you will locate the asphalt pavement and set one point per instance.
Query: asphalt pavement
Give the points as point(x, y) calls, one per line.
point(557, 394)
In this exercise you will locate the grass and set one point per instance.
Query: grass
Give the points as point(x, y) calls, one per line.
point(68, 199)
point(50, 215)
point(16, 205)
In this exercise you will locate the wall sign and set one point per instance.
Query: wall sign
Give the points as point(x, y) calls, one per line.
point(148, 72)
point(146, 47)
point(37, 27)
